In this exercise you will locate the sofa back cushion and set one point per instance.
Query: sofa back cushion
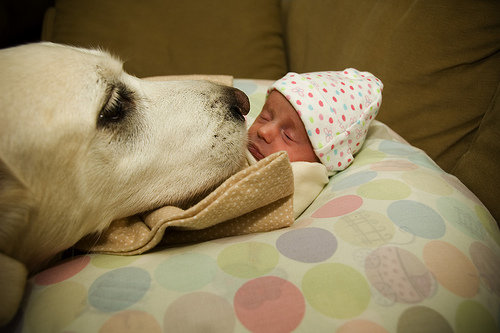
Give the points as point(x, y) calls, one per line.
point(479, 167)
point(155, 37)
point(439, 62)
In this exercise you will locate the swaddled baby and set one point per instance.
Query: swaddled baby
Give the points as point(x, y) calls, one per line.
point(321, 120)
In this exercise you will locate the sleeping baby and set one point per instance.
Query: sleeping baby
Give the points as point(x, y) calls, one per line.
point(320, 119)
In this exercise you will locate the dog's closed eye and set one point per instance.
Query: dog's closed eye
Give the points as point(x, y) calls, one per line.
point(119, 103)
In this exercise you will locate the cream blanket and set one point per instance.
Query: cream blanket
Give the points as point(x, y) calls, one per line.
point(258, 198)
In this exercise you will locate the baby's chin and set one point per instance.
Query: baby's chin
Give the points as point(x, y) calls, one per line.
point(250, 158)
point(255, 152)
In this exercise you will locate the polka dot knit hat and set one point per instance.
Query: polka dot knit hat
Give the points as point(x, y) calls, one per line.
point(336, 109)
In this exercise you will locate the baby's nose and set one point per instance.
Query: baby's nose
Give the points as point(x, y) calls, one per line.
point(268, 132)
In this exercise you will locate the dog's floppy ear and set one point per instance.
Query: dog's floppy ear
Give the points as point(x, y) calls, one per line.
point(13, 276)
point(15, 206)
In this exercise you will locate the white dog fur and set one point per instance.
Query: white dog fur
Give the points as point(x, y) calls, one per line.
point(83, 143)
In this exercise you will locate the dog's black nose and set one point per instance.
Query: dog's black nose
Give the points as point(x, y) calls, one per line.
point(242, 101)
point(241, 105)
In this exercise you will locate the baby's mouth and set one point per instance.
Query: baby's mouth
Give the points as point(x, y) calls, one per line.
point(255, 151)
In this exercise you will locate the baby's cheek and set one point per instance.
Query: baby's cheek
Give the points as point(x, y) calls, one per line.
point(284, 148)
point(252, 132)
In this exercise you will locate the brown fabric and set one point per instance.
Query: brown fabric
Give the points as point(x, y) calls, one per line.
point(258, 198)
point(479, 167)
point(155, 37)
point(439, 62)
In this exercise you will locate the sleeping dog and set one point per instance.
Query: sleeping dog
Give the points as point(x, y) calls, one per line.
point(83, 143)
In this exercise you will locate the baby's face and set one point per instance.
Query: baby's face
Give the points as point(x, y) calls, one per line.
point(278, 127)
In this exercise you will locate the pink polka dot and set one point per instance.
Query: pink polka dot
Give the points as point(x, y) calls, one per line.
point(293, 82)
point(320, 116)
point(126, 321)
point(342, 90)
point(352, 107)
point(339, 164)
point(361, 106)
point(192, 312)
point(360, 325)
point(343, 117)
point(334, 99)
point(452, 268)
point(339, 206)
point(317, 130)
point(310, 95)
point(62, 271)
point(330, 120)
point(298, 102)
point(324, 89)
point(351, 87)
point(269, 304)
point(320, 103)
point(488, 265)
point(393, 272)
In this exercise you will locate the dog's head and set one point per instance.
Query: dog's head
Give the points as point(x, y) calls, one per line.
point(84, 143)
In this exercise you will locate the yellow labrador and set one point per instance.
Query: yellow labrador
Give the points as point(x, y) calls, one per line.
point(83, 143)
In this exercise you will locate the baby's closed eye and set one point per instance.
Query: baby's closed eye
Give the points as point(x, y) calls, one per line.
point(265, 116)
point(288, 135)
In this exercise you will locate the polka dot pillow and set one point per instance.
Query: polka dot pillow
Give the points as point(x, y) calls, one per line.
point(391, 244)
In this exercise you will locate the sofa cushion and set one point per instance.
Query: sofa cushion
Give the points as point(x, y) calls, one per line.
point(241, 38)
point(439, 62)
point(479, 166)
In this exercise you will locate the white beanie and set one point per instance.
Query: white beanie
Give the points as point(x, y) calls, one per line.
point(336, 109)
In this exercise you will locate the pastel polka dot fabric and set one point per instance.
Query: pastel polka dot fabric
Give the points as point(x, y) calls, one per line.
point(336, 108)
point(392, 244)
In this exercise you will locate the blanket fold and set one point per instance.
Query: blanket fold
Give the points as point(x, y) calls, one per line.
point(256, 199)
